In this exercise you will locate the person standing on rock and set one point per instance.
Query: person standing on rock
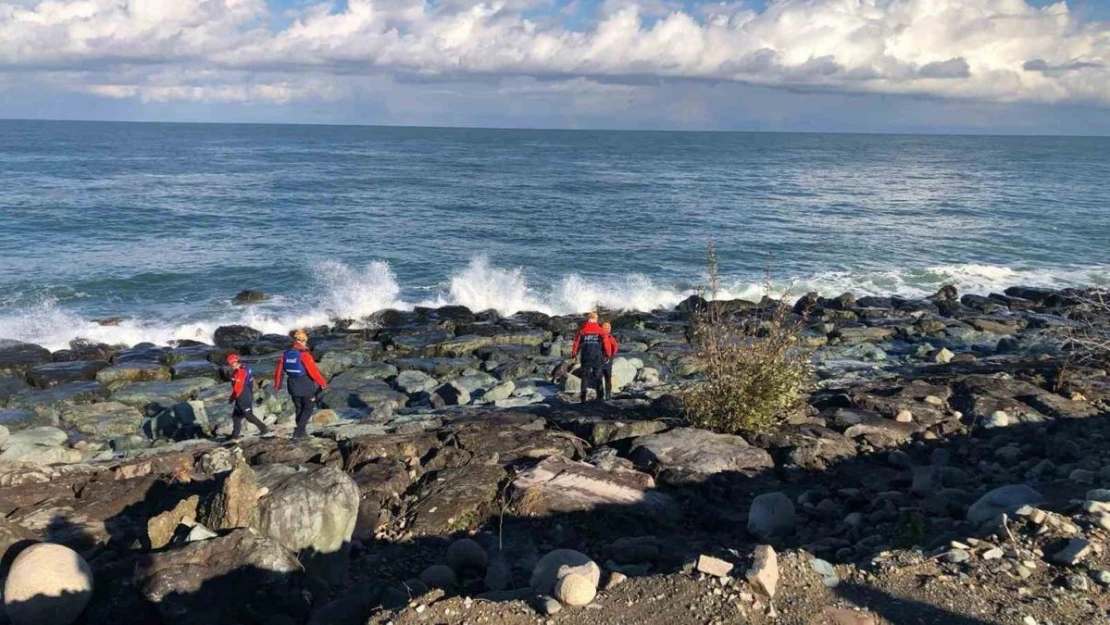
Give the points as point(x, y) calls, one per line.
point(611, 348)
point(590, 341)
point(304, 380)
point(242, 397)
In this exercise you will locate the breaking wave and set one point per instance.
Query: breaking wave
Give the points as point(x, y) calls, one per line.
point(345, 292)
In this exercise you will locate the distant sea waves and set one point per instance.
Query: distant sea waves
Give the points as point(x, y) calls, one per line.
point(345, 292)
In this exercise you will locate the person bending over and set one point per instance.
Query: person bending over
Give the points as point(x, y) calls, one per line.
point(304, 380)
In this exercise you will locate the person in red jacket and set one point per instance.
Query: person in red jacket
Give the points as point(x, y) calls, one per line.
point(304, 380)
point(611, 349)
point(242, 397)
point(590, 342)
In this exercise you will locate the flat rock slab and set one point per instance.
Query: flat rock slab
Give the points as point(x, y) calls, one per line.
point(437, 367)
point(692, 453)
point(560, 485)
point(459, 500)
point(128, 372)
point(163, 393)
point(104, 420)
point(55, 373)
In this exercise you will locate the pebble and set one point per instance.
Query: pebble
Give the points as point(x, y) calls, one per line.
point(615, 579)
point(1077, 582)
point(993, 554)
point(933, 400)
point(827, 572)
point(957, 556)
point(1029, 620)
point(548, 606)
point(714, 566)
point(998, 419)
point(904, 416)
point(1076, 550)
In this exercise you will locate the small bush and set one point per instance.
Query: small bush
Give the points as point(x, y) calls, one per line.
point(755, 373)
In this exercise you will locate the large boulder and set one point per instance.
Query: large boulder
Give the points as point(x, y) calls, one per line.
point(104, 420)
point(40, 445)
point(558, 485)
point(55, 373)
point(238, 578)
point(771, 514)
point(234, 503)
point(195, 369)
point(450, 394)
point(313, 514)
point(48, 584)
point(14, 538)
point(624, 372)
point(16, 356)
point(235, 336)
point(684, 454)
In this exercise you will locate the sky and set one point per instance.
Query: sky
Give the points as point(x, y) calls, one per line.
point(965, 66)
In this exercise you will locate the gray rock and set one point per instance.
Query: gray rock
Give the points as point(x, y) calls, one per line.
point(1073, 552)
point(104, 420)
point(1077, 583)
point(771, 514)
point(130, 372)
point(41, 445)
point(696, 452)
point(180, 584)
point(359, 392)
point(827, 572)
point(195, 369)
point(16, 356)
point(558, 485)
point(312, 513)
point(957, 556)
point(558, 563)
point(412, 382)
point(47, 584)
point(624, 372)
point(477, 381)
point(997, 419)
point(1002, 500)
point(548, 606)
point(161, 394)
point(500, 392)
point(55, 373)
point(450, 394)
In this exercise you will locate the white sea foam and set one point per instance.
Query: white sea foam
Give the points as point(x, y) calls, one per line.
point(349, 292)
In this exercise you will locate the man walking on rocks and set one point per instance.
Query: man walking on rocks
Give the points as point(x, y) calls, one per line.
point(590, 341)
point(304, 380)
point(242, 396)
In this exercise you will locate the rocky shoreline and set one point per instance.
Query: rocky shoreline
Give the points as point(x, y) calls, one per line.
point(939, 473)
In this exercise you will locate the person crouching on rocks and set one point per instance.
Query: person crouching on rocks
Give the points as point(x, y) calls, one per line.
point(590, 341)
point(612, 347)
point(304, 380)
point(242, 397)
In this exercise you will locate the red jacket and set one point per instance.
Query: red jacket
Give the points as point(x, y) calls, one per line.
point(611, 345)
point(238, 382)
point(590, 327)
point(309, 367)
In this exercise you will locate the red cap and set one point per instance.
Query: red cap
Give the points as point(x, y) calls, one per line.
point(232, 359)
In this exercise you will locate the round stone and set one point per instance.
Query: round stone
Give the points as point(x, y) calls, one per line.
point(47, 584)
point(467, 555)
point(439, 576)
point(575, 590)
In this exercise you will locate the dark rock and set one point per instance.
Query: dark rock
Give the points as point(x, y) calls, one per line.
point(235, 336)
point(55, 373)
point(195, 369)
point(460, 499)
point(80, 349)
point(17, 357)
point(130, 372)
point(436, 367)
point(688, 454)
point(237, 578)
point(249, 296)
point(947, 293)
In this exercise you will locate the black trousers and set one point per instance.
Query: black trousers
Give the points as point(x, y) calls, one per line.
point(591, 378)
point(304, 406)
point(241, 412)
point(607, 378)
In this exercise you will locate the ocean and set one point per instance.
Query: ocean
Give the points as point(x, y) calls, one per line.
point(162, 224)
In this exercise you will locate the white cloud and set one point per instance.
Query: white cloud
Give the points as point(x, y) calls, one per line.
point(199, 50)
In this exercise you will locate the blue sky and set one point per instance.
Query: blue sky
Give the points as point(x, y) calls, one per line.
point(983, 66)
